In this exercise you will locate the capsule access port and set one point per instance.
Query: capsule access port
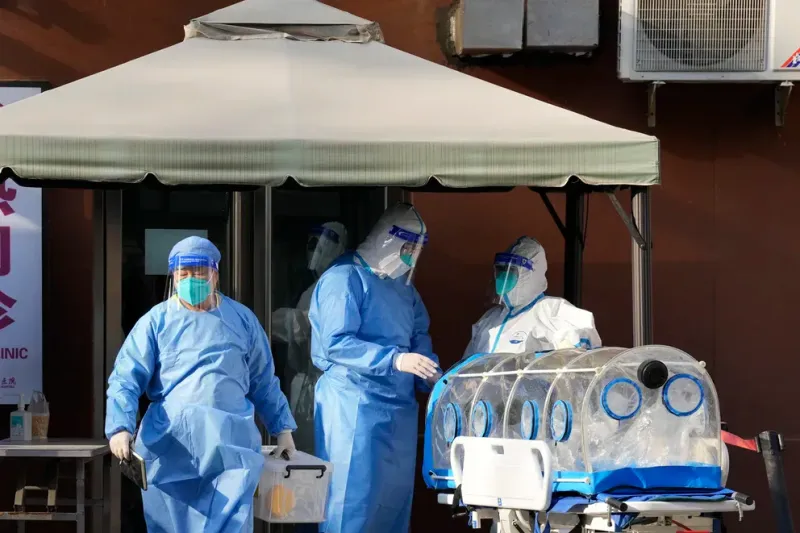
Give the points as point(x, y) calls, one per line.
point(653, 374)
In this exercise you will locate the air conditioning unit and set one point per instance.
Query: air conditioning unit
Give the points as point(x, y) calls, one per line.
point(710, 41)
point(483, 27)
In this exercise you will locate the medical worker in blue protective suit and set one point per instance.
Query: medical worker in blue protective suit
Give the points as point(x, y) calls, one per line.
point(205, 364)
point(527, 321)
point(370, 338)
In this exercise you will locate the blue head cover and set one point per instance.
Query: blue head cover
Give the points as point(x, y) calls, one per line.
point(195, 247)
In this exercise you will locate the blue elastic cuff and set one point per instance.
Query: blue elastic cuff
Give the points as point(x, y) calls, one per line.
point(397, 353)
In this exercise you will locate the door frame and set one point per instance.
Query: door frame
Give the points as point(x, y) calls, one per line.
point(249, 248)
point(106, 339)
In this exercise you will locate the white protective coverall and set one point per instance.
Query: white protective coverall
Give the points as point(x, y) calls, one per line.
point(292, 327)
point(527, 321)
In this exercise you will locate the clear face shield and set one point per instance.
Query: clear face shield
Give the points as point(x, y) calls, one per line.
point(193, 283)
point(508, 270)
point(401, 250)
point(322, 248)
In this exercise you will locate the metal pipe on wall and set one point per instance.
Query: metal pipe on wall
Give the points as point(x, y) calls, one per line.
point(642, 268)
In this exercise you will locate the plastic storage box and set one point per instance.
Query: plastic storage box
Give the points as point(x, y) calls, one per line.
point(294, 491)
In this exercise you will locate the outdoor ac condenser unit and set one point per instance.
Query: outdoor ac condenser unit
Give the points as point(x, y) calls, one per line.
point(710, 41)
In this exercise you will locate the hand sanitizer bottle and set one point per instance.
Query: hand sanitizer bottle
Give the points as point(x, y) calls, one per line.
point(21, 422)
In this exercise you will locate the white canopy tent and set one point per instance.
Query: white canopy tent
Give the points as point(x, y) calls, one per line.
point(269, 89)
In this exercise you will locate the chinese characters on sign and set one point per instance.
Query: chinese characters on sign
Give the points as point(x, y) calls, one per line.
point(20, 281)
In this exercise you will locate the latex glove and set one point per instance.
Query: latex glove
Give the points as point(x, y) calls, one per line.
point(121, 446)
point(285, 447)
point(417, 364)
point(279, 330)
point(432, 381)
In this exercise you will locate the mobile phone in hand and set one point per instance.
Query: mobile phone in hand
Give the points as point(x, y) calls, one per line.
point(134, 469)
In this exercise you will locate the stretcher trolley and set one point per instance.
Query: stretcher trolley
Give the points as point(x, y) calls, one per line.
point(611, 439)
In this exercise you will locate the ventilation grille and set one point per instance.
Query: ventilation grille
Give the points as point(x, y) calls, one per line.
point(701, 35)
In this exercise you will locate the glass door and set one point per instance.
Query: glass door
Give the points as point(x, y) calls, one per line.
point(264, 241)
point(153, 220)
point(295, 216)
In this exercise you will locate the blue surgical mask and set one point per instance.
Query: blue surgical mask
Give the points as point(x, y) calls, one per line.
point(505, 282)
point(194, 291)
point(408, 259)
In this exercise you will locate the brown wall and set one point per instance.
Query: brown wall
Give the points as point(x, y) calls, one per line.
point(724, 227)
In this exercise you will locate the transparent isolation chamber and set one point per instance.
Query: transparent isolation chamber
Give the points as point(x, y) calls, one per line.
point(645, 418)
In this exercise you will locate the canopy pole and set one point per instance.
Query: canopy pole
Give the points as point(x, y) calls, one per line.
point(112, 316)
point(99, 375)
point(642, 266)
point(573, 246)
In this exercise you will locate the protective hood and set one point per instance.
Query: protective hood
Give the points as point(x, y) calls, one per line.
point(394, 244)
point(325, 244)
point(520, 273)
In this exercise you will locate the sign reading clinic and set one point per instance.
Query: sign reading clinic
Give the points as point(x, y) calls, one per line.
point(20, 278)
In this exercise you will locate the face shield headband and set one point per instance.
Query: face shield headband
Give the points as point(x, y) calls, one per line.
point(322, 231)
point(323, 247)
point(191, 261)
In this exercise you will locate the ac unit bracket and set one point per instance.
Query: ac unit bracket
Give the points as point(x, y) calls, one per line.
point(783, 92)
point(651, 102)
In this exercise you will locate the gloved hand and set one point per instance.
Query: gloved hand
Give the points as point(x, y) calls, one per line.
point(417, 364)
point(432, 381)
point(285, 447)
point(120, 444)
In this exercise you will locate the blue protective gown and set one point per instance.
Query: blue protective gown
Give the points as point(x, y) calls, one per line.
point(206, 374)
point(366, 411)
